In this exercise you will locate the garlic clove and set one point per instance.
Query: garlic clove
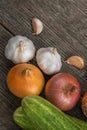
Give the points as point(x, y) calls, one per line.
point(76, 61)
point(37, 26)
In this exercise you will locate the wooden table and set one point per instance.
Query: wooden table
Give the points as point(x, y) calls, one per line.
point(65, 27)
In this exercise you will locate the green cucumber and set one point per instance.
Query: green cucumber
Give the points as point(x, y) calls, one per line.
point(46, 116)
point(20, 119)
point(81, 123)
point(39, 114)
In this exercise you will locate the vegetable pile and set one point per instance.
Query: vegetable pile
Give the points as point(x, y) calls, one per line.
point(62, 91)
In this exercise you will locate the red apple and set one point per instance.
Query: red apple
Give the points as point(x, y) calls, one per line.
point(63, 90)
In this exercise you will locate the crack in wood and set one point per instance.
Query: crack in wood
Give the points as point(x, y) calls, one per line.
point(7, 29)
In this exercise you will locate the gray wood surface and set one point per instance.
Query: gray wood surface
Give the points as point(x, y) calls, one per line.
point(65, 27)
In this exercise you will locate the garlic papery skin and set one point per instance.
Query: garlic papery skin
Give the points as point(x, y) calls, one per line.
point(37, 26)
point(19, 49)
point(49, 60)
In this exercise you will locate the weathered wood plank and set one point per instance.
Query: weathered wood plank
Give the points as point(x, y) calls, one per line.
point(6, 118)
point(63, 13)
point(81, 5)
point(61, 30)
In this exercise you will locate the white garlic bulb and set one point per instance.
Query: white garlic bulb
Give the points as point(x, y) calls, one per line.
point(19, 49)
point(49, 60)
point(37, 26)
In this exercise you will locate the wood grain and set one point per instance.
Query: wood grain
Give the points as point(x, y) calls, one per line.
point(65, 27)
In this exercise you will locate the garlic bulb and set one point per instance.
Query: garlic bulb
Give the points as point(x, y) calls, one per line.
point(19, 49)
point(49, 60)
point(37, 26)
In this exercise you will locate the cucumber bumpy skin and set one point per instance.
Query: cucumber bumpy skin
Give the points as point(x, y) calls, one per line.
point(39, 114)
point(20, 119)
